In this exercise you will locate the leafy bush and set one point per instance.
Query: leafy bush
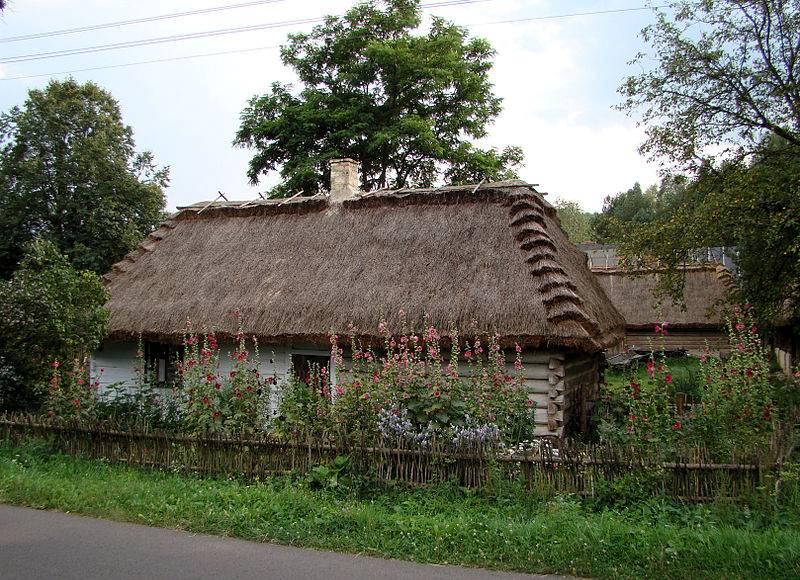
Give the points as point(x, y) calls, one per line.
point(733, 412)
point(71, 392)
point(48, 312)
point(411, 391)
point(216, 404)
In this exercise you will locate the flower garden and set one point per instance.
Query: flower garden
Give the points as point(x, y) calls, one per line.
point(443, 400)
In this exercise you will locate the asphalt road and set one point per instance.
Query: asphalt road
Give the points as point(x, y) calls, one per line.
point(40, 544)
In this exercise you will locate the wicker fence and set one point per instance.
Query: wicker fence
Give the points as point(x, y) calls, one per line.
point(563, 467)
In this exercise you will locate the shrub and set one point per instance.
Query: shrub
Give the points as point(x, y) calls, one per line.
point(216, 404)
point(48, 311)
point(71, 392)
point(412, 391)
point(734, 412)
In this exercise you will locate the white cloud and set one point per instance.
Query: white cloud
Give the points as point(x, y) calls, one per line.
point(557, 97)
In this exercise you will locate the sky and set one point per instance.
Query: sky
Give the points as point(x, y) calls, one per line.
point(558, 78)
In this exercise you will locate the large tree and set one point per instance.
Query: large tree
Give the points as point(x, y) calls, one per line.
point(722, 103)
point(406, 105)
point(69, 172)
point(725, 78)
point(574, 221)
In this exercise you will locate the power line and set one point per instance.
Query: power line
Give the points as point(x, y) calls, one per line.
point(258, 48)
point(193, 35)
point(142, 20)
point(138, 62)
point(573, 14)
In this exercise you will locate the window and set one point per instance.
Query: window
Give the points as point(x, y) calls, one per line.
point(160, 359)
point(304, 365)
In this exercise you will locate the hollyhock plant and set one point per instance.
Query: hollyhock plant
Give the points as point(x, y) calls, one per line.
point(733, 411)
point(221, 403)
point(417, 375)
point(71, 392)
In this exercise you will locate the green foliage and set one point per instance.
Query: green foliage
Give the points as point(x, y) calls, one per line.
point(575, 222)
point(721, 103)
point(48, 312)
point(404, 105)
point(69, 173)
point(635, 207)
point(508, 529)
point(724, 78)
point(331, 475)
point(411, 392)
point(753, 206)
point(732, 413)
point(212, 404)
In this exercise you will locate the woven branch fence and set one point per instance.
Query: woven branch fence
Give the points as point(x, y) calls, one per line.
point(559, 467)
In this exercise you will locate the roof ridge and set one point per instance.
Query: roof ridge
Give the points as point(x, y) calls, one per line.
point(145, 246)
point(561, 302)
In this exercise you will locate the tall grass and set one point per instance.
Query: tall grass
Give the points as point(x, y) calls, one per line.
point(508, 529)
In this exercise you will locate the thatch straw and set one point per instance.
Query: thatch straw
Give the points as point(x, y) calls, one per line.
point(632, 292)
point(496, 256)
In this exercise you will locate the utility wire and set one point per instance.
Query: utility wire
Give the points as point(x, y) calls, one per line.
point(572, 15)
point(193, 35)
point(142, 20)
point(138, 62)
point(258, 48)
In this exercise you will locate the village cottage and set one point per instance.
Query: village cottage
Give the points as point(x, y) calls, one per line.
point(695, 324)
point(491, 256)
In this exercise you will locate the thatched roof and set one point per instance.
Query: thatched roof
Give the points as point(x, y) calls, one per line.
point(705, 293)
point(297, 270)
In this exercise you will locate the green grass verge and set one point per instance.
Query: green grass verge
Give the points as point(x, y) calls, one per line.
point(509, 529)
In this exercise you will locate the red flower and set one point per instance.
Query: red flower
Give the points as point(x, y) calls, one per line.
point(740, 347)
point(468, 354)
point(677, 425)
point(216, 414)
point(668, 379)
point(437, 394)
point(650, 368)
point(739, 326)
point(749, 372)
point(517, 347)
point(56, 364)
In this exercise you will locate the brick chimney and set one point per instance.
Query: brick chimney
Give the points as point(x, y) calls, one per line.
point(344, 179)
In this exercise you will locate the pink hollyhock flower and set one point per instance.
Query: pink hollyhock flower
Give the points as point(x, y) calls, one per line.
point(650, 368)
point(366, 396)
point(740, 347)
point(56, 364)
point(668, 379)
point(517, 347)
point(677, 425)
point(739, 326)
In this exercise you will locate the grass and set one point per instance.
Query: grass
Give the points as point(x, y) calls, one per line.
point(685, 376)
point(508, 530)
